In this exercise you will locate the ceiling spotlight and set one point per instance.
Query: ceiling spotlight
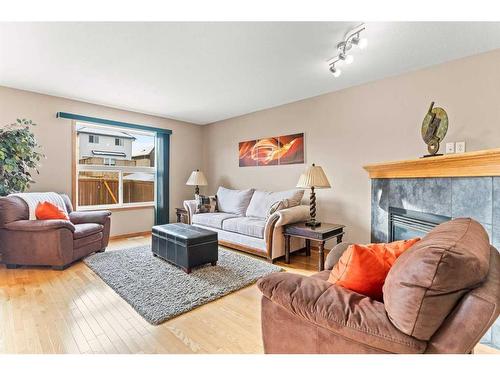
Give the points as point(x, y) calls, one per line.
point(360, 42)
point(335, 71)
point(348, 59)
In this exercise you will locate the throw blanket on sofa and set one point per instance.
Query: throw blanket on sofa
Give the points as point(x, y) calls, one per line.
point(33, 199)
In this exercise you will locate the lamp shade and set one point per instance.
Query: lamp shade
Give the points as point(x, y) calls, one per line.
point(197, 178)
point(314, 177)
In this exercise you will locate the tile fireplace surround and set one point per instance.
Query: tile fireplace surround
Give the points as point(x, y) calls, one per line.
point(465, 196)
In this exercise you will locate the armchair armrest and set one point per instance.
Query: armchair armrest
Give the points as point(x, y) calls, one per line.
point(84, 217)
point(343, 312)
point(334, 255)
point(290, 215)
point(190, 207)
point(39, 225)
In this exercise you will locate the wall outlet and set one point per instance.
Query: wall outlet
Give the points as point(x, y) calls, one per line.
point(450, 148)
point(460, 147)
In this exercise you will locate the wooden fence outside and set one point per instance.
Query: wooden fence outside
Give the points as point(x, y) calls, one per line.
point(94, 192)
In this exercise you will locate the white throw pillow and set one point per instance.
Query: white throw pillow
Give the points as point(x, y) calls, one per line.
point(263, 200)
point(233, 201)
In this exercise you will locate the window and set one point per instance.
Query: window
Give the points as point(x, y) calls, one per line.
point(119, 171)
point(109, 161)
point(93, 138)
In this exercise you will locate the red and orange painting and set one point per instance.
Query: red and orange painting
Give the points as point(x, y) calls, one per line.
point(285, 149)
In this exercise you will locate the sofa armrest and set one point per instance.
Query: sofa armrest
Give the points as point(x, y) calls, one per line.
point(285, 216)
point(39, 225)
point(84, 217)
point(338, 310)
point(291, 215)
point(190, 206)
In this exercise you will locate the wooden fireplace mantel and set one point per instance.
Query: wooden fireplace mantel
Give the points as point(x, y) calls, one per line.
point(468, 164)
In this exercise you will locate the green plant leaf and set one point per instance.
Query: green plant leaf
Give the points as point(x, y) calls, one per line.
point(19, 154)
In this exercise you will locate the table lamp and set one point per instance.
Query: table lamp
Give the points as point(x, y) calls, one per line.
point(313, 178)
point(197, 179)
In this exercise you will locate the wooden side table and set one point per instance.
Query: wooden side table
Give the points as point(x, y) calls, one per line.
point(319, 234)
point(182, 215)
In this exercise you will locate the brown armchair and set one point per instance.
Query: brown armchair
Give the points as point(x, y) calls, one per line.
point(441, 296)
point(56, 243)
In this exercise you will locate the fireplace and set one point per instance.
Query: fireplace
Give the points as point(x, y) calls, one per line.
point(410, 197)
point(405, 224)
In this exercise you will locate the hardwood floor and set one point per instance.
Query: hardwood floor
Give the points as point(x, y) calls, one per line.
point(74, 311)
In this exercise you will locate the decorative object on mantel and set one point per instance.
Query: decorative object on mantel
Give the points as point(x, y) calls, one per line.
point(197, 179)
point(284, 149)
point(313, 178)
point(434, 128)
point(468, 164)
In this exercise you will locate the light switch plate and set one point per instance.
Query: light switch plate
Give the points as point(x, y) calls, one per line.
point(460, 147)
point(450, 148)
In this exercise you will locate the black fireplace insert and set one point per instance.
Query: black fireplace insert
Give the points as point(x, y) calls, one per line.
point(406, 224)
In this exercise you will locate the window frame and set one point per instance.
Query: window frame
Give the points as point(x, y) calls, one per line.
point(77, 168)
point(94, 139)
point(121, 142)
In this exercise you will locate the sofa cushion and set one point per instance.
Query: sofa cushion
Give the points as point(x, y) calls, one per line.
point(249, 226)
point(426, 282)
point(214, 219)
point(84, 230)
point(233, 201)
point(262, 201)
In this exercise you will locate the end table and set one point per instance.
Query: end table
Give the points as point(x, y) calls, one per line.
point(182, 215)
point(319, 234)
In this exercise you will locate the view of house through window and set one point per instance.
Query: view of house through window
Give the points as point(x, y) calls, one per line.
point(116, 166)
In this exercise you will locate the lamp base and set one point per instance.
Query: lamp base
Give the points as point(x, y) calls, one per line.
point(313, 223)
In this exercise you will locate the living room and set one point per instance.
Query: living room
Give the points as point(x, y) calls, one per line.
point(321, 187)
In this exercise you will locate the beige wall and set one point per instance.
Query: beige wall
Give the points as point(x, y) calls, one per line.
point(344, 130)
point(54, 135)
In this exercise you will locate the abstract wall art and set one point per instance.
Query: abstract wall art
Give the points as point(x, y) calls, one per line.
point(281, 150)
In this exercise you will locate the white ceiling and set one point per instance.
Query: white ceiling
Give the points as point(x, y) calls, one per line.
point(205, 72)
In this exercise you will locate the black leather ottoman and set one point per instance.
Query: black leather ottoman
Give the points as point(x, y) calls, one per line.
point(185, 245)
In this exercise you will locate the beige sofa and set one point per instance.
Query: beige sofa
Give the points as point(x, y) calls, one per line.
point(242, 221)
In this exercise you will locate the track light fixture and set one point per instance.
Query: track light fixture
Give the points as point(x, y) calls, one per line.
point(353, 38)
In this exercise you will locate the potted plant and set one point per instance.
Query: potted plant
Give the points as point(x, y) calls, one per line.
point(19, 155)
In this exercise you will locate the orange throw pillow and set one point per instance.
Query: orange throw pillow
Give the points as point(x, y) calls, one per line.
point(363, 268)
point(49, 211)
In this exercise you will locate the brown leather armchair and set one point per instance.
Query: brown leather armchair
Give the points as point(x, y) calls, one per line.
point(440, 296)
point(56, 243)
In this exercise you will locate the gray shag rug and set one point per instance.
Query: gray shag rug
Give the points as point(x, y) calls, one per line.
point(159, 291)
